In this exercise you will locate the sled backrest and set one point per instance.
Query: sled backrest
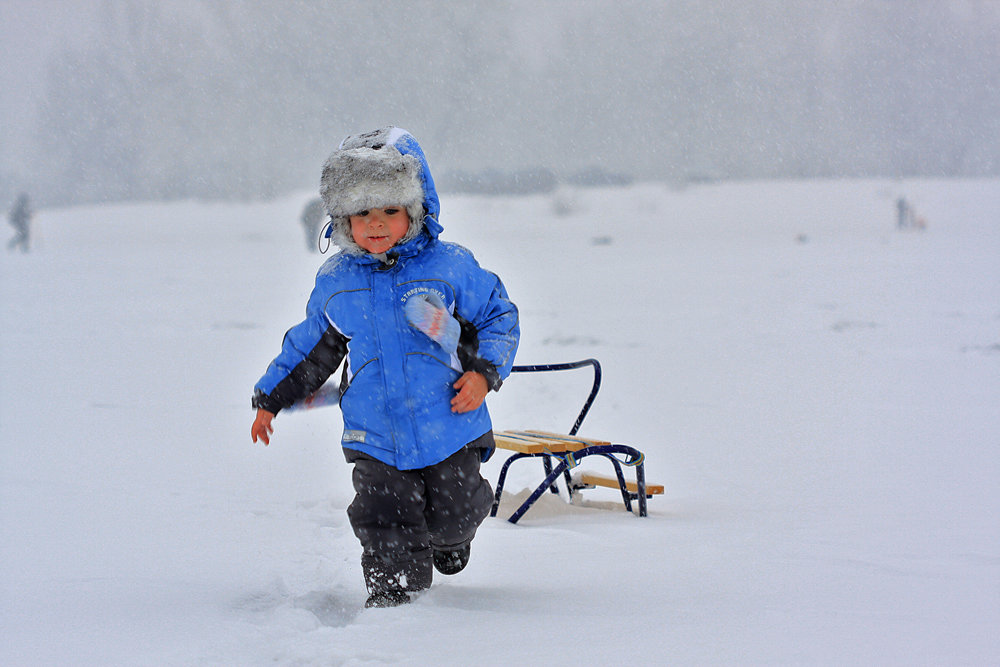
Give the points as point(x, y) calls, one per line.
point(542, 368)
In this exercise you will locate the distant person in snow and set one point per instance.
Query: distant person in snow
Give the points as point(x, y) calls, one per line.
point(312, 216)
point(904, 214)
point(20, 220)
point(426, 334)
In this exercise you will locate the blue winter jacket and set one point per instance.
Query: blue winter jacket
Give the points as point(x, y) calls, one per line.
point(397, 387)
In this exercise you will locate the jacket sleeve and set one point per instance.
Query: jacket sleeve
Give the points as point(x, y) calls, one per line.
point(310, 352)
point(490, 326)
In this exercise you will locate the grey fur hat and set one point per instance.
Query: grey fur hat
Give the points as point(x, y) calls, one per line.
point(356, 178)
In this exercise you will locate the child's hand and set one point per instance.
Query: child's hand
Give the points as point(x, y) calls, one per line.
point(472, 390)
point(262, 426)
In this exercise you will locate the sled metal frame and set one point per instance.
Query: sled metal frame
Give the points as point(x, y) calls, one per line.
point(568, 450)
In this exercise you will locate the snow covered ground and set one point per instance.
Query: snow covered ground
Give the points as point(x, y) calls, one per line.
point(818, 391)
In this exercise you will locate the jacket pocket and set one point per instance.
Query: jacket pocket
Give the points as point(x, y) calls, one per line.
point(362, 405)
point(431, 390)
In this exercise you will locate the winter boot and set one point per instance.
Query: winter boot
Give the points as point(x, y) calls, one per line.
point(389, 584)
point(386, 599)
point(452, 561)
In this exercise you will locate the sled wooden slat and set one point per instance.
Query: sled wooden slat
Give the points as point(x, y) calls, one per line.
point(562, 437)
point(593, 479)
point(540, 442)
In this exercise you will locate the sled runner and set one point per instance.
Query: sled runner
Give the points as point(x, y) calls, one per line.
point(566, 451)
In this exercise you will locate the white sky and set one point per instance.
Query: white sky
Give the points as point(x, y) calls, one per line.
point(31, 30)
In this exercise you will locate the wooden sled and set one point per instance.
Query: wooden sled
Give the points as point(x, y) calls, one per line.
point(561, 453)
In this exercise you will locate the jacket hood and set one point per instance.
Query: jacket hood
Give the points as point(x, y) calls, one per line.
point(376, 169)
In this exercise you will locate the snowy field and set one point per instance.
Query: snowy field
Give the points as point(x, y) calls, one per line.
point(818, 391)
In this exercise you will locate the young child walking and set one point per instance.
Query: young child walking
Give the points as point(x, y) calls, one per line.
point(426, 334)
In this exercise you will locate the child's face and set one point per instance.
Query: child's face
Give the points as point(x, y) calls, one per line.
point(378, 229)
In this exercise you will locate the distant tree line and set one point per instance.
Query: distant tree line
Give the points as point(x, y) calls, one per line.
point(218, 99)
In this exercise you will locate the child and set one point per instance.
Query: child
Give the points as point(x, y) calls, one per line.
point(426, 333)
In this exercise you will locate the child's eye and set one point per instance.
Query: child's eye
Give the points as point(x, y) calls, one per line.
point(391, 211)
point(362, 214)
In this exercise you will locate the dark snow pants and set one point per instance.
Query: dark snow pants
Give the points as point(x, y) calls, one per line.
point(402, 516)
